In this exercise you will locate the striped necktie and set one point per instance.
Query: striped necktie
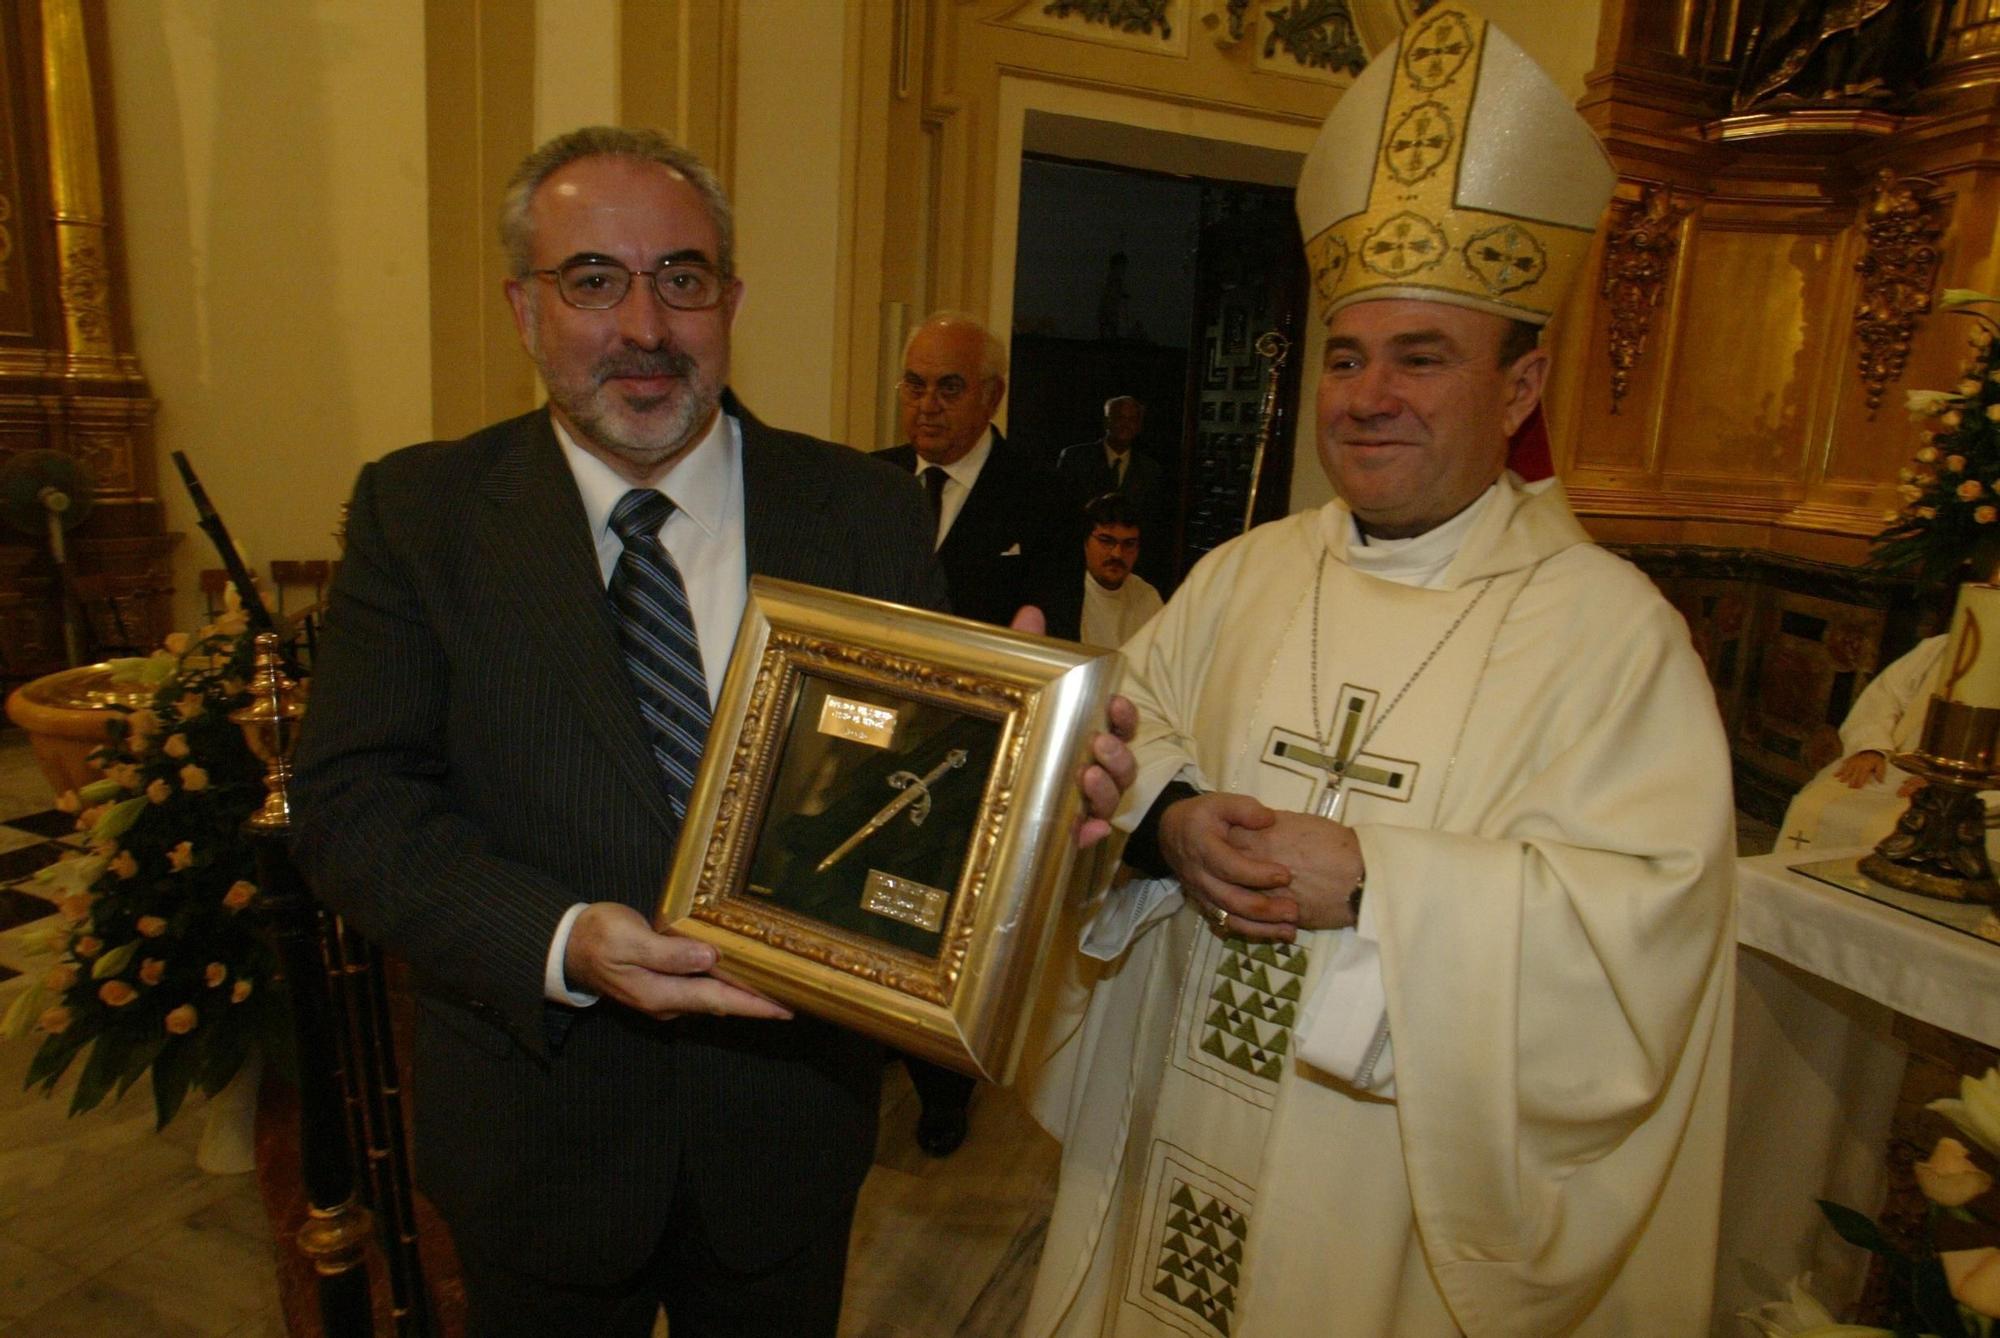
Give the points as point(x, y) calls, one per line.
point(656, 629)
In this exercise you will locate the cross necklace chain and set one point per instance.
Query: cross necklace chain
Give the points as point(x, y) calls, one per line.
point(1335, 798)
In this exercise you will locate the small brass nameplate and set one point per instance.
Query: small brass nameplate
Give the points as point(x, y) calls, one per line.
point(859, 721)
point(904, 899)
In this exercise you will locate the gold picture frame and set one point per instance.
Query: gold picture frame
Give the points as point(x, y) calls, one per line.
point(885, 817)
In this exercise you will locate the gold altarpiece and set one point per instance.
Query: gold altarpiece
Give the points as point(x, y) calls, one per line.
point(68, 378)
point(1730, 396)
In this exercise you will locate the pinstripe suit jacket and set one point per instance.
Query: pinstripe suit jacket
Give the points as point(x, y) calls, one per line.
point(474, 762)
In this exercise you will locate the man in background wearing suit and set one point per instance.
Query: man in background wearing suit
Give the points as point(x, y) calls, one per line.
point(526, 638)
point(997, 530)
point(1090, 469)
point(997, 524)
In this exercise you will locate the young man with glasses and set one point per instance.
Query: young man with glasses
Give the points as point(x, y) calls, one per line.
point(526, 640)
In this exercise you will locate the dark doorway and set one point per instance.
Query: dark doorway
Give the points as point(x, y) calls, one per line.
point(1142, 283)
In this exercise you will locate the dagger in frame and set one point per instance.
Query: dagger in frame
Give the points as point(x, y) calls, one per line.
point(917, 789)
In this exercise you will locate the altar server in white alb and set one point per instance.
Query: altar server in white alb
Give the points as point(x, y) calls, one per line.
point(1425, 1030)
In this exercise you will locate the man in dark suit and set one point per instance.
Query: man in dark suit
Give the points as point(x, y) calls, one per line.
point(496, 766)
point(998, 536)
point(998, 523)
point(1112, 464)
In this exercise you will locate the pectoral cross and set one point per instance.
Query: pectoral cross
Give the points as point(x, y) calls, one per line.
point(1336, 768)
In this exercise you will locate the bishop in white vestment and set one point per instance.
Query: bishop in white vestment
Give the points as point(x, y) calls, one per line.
point(1426, 1033)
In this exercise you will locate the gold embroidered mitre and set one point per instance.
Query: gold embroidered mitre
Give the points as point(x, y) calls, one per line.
point(1483, 186)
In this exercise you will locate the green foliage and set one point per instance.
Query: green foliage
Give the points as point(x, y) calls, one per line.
point(1951, 511)
point(157, 967)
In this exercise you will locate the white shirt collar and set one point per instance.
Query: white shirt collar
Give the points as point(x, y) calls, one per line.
point(697, 485)
point(966, 468)
point(1420, 559)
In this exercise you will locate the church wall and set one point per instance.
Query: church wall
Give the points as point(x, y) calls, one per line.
point(272, 175)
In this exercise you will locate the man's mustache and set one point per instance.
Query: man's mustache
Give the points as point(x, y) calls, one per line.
point(663, 362)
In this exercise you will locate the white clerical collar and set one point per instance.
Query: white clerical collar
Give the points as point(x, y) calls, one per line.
point(965, 469)
point(1422, 558)
point(698, 484)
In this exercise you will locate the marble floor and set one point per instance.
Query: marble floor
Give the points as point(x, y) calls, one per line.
point(107, 1228)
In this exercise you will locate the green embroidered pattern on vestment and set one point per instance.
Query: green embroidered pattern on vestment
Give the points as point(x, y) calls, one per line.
point(1200, 1258)
point(1252, 1004)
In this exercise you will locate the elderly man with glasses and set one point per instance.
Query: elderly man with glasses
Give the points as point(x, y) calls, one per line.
point(996, 534)
point(526, 640)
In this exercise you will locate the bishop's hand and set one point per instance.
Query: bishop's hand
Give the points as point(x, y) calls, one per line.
point(1324, 860)
point(1241, 893)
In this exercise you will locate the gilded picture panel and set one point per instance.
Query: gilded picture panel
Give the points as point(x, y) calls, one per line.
point(1748, 355)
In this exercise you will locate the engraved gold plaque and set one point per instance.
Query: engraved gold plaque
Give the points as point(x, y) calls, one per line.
point(862, 722)
point(904, 899)
point(885, 818)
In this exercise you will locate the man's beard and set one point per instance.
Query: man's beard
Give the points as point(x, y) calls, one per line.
point(644, 440)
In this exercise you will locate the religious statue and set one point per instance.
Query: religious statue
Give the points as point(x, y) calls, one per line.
point(1836, 53)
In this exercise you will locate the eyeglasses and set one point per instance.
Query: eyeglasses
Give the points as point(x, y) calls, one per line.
point(599, 285)
point(949, 388)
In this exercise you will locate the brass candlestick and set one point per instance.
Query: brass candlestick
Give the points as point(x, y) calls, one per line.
point(1939, 846)
point(270, 725)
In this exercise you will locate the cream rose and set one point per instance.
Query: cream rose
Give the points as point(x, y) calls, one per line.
point(1949, 1178)
point(1975, 1110)
point(1974, 1276)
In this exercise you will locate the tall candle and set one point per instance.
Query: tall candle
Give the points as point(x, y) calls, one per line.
point(1971, 668)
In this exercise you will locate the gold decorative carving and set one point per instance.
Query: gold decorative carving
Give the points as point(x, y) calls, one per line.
point(76, 188)
point(1639, 250)
point(1130, 16)
point(1318, 34)
point(1901, 222)
point(85, 288)
point(790, 655)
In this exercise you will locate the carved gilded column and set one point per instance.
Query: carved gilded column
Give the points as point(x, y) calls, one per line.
point(76, 191)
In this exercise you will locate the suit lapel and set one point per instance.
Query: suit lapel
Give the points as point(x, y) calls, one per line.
point(538, 544)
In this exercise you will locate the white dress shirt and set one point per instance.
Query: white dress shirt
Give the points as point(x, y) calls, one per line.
point(960, 475)
point(704, 536)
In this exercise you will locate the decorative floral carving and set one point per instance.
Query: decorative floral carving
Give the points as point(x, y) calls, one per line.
point(1130, 16)
point(85, 286)
point(1900, 225)
point(1318, 34)
point(1238, 17)
point(1638, 256)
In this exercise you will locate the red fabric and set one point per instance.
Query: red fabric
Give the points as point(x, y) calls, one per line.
point(1528, 450)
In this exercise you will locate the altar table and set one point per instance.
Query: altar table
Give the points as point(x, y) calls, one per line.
point(1821, 974)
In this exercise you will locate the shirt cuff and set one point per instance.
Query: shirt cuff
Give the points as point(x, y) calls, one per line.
point(555, 985)
point(1344, 1027)
point(1125, 910)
